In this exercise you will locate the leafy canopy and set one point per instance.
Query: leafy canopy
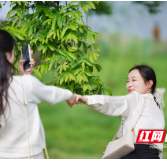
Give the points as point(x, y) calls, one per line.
point(67, 46)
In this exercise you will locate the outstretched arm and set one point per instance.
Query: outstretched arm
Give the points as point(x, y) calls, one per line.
point(111, 105)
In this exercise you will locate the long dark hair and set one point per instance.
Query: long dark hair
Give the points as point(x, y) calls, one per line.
point(7, 69)
point(147, 73)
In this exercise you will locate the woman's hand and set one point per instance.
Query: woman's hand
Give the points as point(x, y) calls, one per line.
point(71, 101)
point(80, 99)
point(29, 70)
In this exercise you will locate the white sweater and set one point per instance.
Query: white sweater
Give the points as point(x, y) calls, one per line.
point(13, 135)
point(129, 106)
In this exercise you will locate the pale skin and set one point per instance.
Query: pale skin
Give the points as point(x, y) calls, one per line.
point(135, 82)
point(10, 57)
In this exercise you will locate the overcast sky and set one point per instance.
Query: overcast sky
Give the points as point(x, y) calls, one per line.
point(128, 18)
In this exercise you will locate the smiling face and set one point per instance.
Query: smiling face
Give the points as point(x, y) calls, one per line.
point(135, 82)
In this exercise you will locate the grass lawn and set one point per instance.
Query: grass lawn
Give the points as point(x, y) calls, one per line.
point(82, 132)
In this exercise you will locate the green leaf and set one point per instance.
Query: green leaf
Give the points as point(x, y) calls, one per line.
point(10, 13)
point(80, 23)
point(77, 16)
point(91, 57)
point(63, 77)
point(104, 91)
point(72, 87)
point(71, 55)
point(51, 64)
point(91, 4)
point(48, 59)
point(96, 47)
point(18, 36)
point(84, 77)
point(74, 37)
point(19, 2)
point(76, 63)
point(46, 68)
point(79, 78)
point(30, 31)
point(51, 46)
point(75, 72)
point(64, 8)
point(92, 38)
point(108, 90)
point(66, 14)
point(85, 87)
point(0, 6)
point(63, 32)
point(42, 68)
point(51, 32)
point(57, 32)
point(47, 21)
point(15, 21)
point(81, 30)
point(85, 8)
point(54, 23)
point(19, 13)
point(19, 23)
point(94, 84)
point(48, 13)
point(98, 67)
point(72, 27)
point(96, 2)
point(88, 73)
point(72, 49)
point(86, 36)
point(83, 65)
point(79, 53)
point(89, 63)
point(96, 34)
point(59, 22)
point(37, 73)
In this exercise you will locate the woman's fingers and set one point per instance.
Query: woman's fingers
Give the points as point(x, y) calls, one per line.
point(106, 146)
point(29, 69)
point(103, 152)
point(31, 52)
point(21, 61)
point(32, 62)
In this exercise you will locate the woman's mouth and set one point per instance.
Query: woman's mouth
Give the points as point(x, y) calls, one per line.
point(130, 90)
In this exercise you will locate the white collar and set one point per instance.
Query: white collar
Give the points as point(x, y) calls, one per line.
point(148, 95)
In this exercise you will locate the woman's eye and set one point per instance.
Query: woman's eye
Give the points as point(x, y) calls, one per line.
point(134, 80)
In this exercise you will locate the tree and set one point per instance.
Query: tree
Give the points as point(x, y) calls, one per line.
point(59, 33)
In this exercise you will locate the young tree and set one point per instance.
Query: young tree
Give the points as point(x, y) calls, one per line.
point(61, 36)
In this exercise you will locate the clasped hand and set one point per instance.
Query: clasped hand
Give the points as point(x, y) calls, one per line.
point(76, 99)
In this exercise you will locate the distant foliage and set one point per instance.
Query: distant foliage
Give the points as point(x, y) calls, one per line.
point(63, 39)
point(152, 6)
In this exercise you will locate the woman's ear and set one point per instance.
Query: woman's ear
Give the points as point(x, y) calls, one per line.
point(8, 56)
point(150, 83)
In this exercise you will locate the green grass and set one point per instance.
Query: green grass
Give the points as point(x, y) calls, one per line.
point(82, 132)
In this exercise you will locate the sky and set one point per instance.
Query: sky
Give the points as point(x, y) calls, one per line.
point(127, 18)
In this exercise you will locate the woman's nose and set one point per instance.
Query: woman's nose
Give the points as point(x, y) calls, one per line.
point(129, 84)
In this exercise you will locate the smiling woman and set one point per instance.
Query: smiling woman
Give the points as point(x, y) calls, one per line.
point(142, 79)
point(141, 84)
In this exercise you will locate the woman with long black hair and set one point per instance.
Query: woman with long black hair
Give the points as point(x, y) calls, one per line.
point(141, 82)
point(20, 134)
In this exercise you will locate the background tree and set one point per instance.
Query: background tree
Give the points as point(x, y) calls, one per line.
point(61, 36)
